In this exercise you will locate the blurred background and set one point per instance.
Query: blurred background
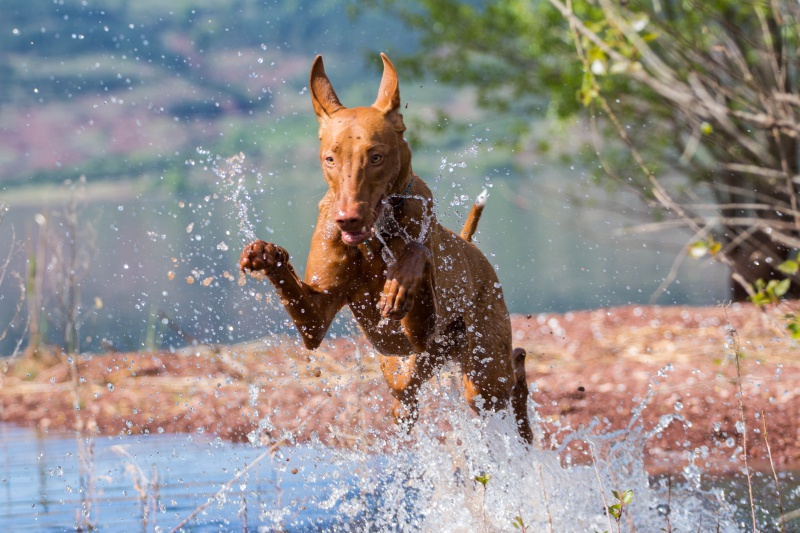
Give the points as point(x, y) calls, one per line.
point(142, 143)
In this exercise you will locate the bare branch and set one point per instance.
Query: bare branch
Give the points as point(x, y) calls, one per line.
point(721, 113)
point(764, 172)
point(788, 98)
point(676, 264)
point(730, 95)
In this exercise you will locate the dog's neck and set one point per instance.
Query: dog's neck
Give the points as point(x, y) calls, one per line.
point(406, 175)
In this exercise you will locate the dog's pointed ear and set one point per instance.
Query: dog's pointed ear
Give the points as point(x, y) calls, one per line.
point(388, 101)
point(389, 92)
point(324, 98)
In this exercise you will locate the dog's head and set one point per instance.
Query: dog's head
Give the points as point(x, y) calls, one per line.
point(362, 151)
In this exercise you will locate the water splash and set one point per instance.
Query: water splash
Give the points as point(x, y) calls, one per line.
point(233, 176)
point(429, 480)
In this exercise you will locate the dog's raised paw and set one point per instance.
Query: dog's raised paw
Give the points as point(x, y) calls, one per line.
point(262, 256)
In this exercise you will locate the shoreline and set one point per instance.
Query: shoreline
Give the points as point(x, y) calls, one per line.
point(581, 366)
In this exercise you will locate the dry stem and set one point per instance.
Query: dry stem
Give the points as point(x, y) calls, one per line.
point(740, 397)
point(546, 505)
point(600, 482)
point(774, 474)
point(269, 452)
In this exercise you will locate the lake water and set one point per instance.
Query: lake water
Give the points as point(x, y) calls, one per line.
point(163, 256)
point(41, 488)
point(413, 485)
point(162, 272)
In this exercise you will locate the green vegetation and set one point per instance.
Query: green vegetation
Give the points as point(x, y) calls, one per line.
point(689, 105)
point(615, 510)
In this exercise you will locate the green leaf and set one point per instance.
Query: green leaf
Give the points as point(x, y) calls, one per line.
point(483, 479)
point(782, 287)
point(650, 36)
point(627, 497)
point(595, 53)
point(615, 511)
point(760, 299)
point(698, 249)
point(790, 267)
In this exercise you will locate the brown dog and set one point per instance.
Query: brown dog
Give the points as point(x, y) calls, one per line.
point(421, 294)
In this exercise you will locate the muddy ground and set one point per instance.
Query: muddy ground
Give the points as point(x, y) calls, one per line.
point(582, 366)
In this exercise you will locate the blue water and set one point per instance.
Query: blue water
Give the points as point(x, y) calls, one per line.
point(41, 491)
point(422, 484)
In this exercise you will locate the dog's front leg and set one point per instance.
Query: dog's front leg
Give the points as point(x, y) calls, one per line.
point(403, 280)
point(311, 310)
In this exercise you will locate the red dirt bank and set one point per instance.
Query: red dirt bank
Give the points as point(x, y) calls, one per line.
point(581, 365)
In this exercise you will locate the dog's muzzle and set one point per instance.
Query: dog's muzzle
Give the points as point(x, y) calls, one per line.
point(354, 231)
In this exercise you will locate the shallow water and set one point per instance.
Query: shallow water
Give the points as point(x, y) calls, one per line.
point(41, 488)
point(422, 482)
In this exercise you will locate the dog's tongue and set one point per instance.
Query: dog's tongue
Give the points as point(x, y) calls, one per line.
point(355, 237)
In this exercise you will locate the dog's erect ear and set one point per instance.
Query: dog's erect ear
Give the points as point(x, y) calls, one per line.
point(389, 92)
point(324, 98)
point(388, 101)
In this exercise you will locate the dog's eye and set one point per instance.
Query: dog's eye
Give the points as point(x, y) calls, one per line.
point(377, 158)
point(329, 160)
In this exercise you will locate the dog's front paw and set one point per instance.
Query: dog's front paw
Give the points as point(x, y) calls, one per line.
point(260, 256)
point(403, 282)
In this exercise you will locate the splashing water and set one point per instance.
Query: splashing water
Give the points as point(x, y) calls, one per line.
point(429, 479)
point(232, 176)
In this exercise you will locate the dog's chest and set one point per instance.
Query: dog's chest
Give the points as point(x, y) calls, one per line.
point(388, 336)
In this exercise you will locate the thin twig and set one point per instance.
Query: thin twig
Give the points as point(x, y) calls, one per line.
point(669, 502)
point(768, 173)
point(600, 482)
point(774, 474)
point(676, 265)
point(736, 347)
point(546, 505)
point(227, 485)
point(271, 450)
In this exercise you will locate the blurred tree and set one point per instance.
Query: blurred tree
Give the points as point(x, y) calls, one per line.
point(700, 95)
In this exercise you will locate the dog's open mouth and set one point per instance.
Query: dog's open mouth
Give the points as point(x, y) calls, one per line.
point(354, 238)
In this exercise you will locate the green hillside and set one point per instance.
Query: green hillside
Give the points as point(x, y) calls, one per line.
point(118, 90)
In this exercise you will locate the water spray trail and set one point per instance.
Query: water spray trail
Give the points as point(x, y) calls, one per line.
point(232, 177)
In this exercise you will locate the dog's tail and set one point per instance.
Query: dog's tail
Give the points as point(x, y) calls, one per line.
point(474, 216)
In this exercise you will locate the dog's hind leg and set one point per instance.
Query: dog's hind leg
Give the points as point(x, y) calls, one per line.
point(494, 379)
point(405, 376)
point(519, 398)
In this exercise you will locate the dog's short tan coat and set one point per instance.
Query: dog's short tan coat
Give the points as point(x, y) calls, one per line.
point(421, 294)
